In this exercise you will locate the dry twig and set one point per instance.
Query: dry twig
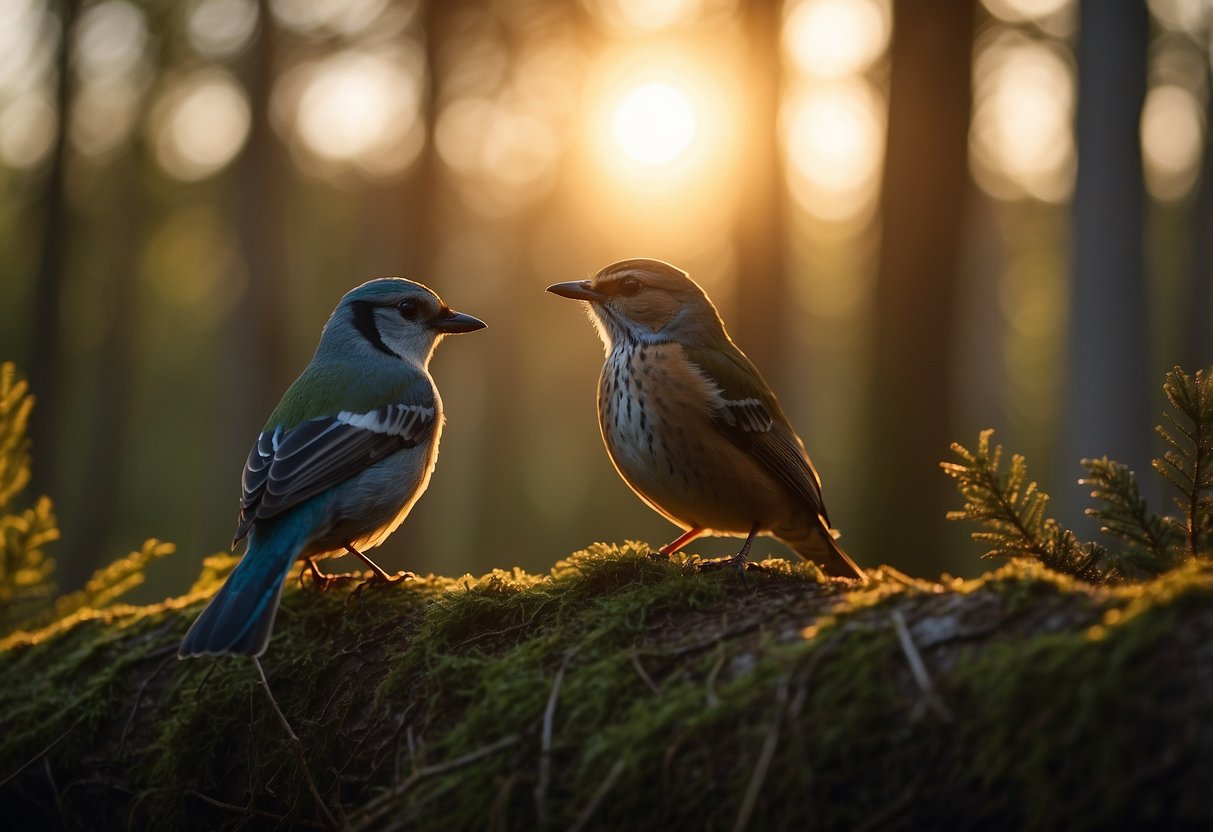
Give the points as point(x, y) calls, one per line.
point(765, 755)
point(297, 746)
point(378, 807)
point(599, 793)
point(545, 754)
point(644, 675)
point(919, 669)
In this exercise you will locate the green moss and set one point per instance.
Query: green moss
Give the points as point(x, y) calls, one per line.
point(1081, 688)
point(691, 698)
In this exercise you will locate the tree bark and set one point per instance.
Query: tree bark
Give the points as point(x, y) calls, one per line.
point(1196, 341)
point(923, 196)
point(260, 370)
point(762, 292)
point(44, 361)
point(87, 532)
point(622, 692)
point(1109, 390)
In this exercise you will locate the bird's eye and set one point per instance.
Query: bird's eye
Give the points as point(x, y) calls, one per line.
point(629, 286)
point(408, 309)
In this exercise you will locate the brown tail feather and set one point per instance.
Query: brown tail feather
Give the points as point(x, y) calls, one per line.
point(821, 548)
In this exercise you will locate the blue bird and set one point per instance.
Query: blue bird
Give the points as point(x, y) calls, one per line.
point(342, 459)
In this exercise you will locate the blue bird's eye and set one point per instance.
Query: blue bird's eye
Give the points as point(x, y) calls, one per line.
point(408, 309)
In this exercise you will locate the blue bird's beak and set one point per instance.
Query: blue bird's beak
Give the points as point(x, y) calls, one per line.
point(455, 322)
point(576, 290)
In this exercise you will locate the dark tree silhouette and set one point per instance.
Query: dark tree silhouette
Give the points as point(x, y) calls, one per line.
point(1109, 384)
point(763, 289)
point(88, 530)
point(1196, 343)
point(44, 357)
point(923, 195)
point(261, 185)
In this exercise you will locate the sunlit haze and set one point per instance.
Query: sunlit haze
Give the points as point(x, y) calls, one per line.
point(1022, 140)
point(834, 136)
point(200, 124)
point(833, 38)
point(356, 108)
point(654, 123)
point(221, 27)
point(1172, 139)
point(647, 15)
point(832, 116)
point(659, 146)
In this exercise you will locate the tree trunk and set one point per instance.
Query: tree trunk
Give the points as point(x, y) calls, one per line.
point(620, 692)
point(1196, 341)
point(1109, 391)
point(925, 185)
point(760, 325)
point(260, 369)
point(44, 362)
point(87, 531)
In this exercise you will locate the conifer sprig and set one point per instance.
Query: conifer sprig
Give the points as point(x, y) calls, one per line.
point(27, 582)
point(111, 582)
point(1124, 514)
point(26, 571)
point(15, 406)
point(1011, 509)
point(1188, 463)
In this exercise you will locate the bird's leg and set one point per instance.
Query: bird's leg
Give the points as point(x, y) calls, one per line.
point(320, 580)
point(323, 580)
point(380, 575)
point(673, 546)
point(741, 560)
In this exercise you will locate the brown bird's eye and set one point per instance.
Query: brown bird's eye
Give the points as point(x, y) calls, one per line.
point(408, 309)
point(629, 286)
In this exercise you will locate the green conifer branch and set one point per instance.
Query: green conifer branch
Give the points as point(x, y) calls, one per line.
point(1188, 465)
point(26, 572)
point(15, 406)
point(111, 582)
point(27, 586)
point(1012, 510)
point(1123, 513)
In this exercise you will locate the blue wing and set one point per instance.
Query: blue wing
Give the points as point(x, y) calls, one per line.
point(286, 467)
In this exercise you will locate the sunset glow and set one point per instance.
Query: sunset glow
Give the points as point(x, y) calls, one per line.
point(654, 124)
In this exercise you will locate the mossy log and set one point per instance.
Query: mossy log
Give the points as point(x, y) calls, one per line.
point(620, 692)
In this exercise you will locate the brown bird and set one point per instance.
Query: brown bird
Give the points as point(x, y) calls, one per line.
point(689, 422)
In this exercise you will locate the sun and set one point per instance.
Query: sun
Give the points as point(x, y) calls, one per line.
point(655, 123)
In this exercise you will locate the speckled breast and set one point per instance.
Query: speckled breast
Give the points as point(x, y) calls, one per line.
point(654, 409)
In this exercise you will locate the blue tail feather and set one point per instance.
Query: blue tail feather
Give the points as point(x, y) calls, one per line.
point(240, 617)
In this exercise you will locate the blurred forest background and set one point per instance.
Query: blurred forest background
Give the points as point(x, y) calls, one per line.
point(920, 218)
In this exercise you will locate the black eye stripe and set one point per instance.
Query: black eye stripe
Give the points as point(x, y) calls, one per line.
point(364, 321)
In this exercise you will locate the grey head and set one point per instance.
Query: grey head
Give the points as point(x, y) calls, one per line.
point(392, 317)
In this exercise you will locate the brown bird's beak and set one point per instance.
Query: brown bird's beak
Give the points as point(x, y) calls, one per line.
point(454, 322)
point(576, 290)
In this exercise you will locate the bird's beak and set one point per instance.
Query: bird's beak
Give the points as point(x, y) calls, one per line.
point(455, 322)
point(577, 290)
